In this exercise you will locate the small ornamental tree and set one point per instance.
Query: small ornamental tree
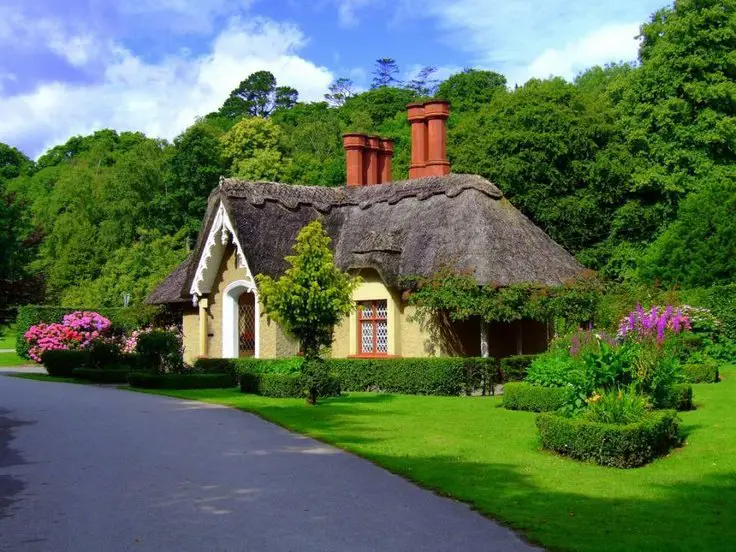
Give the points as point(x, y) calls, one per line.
point(310, 298)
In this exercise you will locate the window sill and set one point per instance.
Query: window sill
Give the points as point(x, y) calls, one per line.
point(367, 355)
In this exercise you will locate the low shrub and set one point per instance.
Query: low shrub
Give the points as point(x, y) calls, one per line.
point(160, 352)
point(128, 361)
point(148, 380)
point(285, 385)
point(515, 368)
point(678, 397)
point(520, 395)
point(616, 406)
point(216, 365)
point(292, 365)
point(621, 446)
point(101, 376)
point(103, 354)
point(701, 373)
point(553, 369)
point(61, 363)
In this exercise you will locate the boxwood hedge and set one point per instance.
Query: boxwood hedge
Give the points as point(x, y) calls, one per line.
point(701, 373)
point(521, 395)
point(515, 368)
point(678, 397)
point(148, 380)
point(61, 364)
point(621, 446)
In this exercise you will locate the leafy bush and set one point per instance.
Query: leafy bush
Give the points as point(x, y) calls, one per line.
point(554, 369)
point(280, 386)
point(128, 361)
point(148, 380)
point(104, 353)
point(291, 365)
point(514, 368)
point(160, 352)
point(621, 407)
point(621, 446)
point(101, 376)
point(701, 373)
point(122, 319)
point(62, 363)
point(520, 395)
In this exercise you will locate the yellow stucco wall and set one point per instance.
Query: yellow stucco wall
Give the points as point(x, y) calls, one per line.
point(406, 336)
point(190, 330)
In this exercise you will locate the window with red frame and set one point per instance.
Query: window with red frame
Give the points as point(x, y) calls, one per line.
point(373, 328)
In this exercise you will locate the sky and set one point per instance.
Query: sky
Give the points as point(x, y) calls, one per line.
point(74, 66)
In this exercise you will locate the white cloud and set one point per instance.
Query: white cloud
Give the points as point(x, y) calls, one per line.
point(160, 99)
point(610, 44)
point(537, 38)
point(184, 15)
point(347, 11)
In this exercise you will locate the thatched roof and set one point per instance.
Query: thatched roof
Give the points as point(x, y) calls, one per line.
point(170, 290)
point(400, 229)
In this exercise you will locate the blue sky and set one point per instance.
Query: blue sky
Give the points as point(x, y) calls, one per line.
point(75, 66)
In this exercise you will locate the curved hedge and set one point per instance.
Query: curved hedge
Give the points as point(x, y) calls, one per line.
point(180, 381)
point(701, 373)
point(521, 395)
point(101, 376)
point(678, 397)
point(61, 363)
point(621, 446)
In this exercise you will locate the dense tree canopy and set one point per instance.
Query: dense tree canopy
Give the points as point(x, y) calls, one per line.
point(630, 166)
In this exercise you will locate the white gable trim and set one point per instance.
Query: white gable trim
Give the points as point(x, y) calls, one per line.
point(220, 234)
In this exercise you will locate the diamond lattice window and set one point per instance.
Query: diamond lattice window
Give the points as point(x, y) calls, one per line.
point(247, 325)
point(373, 327)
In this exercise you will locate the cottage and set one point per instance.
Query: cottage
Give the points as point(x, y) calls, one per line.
point(383, 230)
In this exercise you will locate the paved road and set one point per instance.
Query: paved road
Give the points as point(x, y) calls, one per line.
point(99, 469)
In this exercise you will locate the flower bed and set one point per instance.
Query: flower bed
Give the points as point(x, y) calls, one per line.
point(533, 398)
point(621, 446)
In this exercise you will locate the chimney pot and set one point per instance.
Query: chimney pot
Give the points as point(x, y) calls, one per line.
point(437, 112)
point(372, 174)
point(385, 153)
point(354, 144)
point(418, 122)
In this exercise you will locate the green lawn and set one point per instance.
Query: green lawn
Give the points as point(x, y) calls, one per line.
point(11, 359)
point(475, 451)
point(7, 337)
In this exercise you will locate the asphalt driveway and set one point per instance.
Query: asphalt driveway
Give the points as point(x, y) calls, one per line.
point(101, 469)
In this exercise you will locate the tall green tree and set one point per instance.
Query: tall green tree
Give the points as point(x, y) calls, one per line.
point(471, 89)
point(385, 73)
point(258, 96)
point(423, 83)
point(310, 298)
point(339, 91)
point(253, 150)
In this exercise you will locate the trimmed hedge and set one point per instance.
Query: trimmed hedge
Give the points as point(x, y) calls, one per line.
point(520, 395)
point(416, 376)
point(515, 368)
point(701, 373)
point(215, 365)
point(678, 397)
point(290, 365)
point(282, 386)
point(101, 376)
point(621, 446)
point(61, 364)
point(148, 380)
point(122, 319)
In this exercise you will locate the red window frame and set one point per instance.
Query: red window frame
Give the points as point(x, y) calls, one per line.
point(370, 316)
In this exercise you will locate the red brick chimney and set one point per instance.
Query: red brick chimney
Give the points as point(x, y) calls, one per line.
point(372, 173)
point(418, 122)
point(436, 112)
point(355, 145)
point(385, 153)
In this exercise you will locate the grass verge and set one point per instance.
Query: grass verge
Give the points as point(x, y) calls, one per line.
point(473, 450)
point(11, 359)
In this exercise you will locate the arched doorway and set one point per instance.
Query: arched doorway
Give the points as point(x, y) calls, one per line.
point(240, 320)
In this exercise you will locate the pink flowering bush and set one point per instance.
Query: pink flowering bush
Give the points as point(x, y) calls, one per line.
point(77, 331)
point(657, 322)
